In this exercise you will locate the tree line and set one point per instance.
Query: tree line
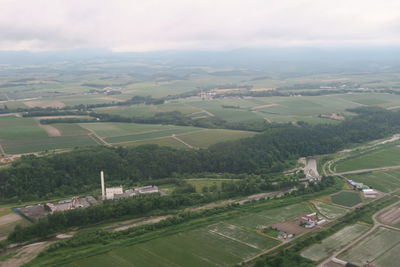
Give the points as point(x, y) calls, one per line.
point(272, 151)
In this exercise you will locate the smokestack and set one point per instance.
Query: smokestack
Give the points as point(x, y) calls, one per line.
point(103, 190)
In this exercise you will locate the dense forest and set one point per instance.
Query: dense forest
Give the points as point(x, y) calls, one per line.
point(268, 152)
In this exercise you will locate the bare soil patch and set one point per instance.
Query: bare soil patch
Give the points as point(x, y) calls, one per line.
point(51, 131)
point(264, 106)
point(125, 225)
point(291, 227)
point(391, 217)
point(109, 98)
point(261, 89)
point(9, 218)
point(44, 104)
point(25, 254)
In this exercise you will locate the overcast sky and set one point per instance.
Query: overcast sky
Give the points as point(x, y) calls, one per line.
point(146, 25)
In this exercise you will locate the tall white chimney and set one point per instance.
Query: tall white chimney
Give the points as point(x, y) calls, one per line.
point(103, 190)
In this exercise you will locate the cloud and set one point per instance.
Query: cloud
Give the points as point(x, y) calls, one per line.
point(138, 25)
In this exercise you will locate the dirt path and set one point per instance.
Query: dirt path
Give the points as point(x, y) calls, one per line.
point(180, 140)
point(97, 138)
point(126, 225)
point(25, 254)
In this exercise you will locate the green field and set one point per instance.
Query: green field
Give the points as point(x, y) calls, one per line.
point(330, 211)
point(23, 135)
point(272, 216)
point(224, 243)
point(202, 182)
point(387, 156)
point(380, 248)
point(13, 128)
point(212, 136)
point(334, 242)
point(221, 244)
point(346, 198)
point(165, 141)
point(385, 181)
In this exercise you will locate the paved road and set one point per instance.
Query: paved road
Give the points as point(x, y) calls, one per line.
point(376, 225)
point(364, 170)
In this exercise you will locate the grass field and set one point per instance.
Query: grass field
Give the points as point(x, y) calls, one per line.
point(387, 156)
point(334, 242)
point(346, 198)
point(213, 136)
point(329, 211)
point(271, 216)
point(23, 135)
point(385, 181)
point(133, 134)
point(219, 245)
point(380, 248)
point(225, 243)
point(202, 182)
point(165, 141)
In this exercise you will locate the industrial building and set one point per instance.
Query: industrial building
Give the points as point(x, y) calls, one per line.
point(34, 212)
point(118, 192)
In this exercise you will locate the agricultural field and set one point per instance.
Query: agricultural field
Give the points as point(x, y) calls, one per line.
point(346, 198)
point(272, 216)
point(335, 242)
point(384, 181)
point(209, 137)
point(24, 135)
point(381, 157)
point(224, 243)
point(201, 247)
point(380, 248)
point(331, 212)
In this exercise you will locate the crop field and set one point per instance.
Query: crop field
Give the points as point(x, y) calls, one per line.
point(334, 242)
point(164, 141)
point(329, 211)
point(70, 129)
point(388, 156)
point(132, 134)
point(48, 143)
point(219, 245)
point(380, 248)
point(202, 182)
point(385, 181)
point(23, 135)
point(225, 243)
point(120, 130)
point(346, 198)
point(19, 128)
point(272, 216)
point(213, 136)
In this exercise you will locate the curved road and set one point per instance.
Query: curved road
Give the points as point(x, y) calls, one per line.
point(376, 225)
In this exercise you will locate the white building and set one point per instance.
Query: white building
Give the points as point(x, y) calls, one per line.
point(111, 191)
point(370, 193)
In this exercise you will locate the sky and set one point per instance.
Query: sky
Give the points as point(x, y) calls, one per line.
point(152, 25)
